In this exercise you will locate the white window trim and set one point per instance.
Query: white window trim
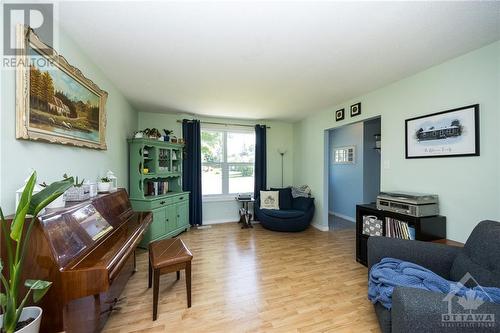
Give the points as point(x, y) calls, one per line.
point(225, 196)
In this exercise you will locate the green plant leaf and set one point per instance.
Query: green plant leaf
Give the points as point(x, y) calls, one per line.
point(16, 228)
point(3, 300)
point(39, 288)
point(41, 199)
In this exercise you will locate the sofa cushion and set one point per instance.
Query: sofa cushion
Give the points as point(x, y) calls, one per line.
point(283, 214)
point(285, 197)
point(480, 256)
point(303, 204)
point(269, 200)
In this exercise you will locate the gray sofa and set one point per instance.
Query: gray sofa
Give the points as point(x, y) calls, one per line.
point(415, 310)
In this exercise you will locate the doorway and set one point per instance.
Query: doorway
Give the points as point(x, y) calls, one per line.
point(353, 170)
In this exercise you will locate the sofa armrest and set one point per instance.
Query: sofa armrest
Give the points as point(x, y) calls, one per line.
point(435, 257)
point(416, 310)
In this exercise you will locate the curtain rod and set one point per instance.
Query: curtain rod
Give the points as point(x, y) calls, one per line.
point(224, 124)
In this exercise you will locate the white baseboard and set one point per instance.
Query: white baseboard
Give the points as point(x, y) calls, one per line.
point(342, 216)
point(320, 227)
point(218, 221)
point(224, 221)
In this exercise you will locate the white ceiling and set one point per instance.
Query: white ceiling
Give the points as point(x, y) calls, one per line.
point(269, 60)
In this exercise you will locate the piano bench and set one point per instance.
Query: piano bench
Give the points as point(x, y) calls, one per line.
point(168, 256)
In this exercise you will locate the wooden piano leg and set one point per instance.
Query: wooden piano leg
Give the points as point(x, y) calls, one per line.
point(188, 282)
point(150, 274)
point(178, 275)
point(156, 287)
point(135, 262)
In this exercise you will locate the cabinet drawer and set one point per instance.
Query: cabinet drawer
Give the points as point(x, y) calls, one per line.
point(161, 203)
point(180, 198)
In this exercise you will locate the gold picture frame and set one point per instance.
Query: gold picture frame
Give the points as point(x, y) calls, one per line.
point(55, 102)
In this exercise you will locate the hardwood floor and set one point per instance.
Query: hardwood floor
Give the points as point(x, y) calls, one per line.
point(336, 223)
point(255, 280)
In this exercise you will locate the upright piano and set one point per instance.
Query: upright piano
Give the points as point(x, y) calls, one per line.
point(87, 250)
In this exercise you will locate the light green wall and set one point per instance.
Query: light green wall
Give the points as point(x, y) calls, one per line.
point(19, 157)
point(468, 187)
point(279, 136)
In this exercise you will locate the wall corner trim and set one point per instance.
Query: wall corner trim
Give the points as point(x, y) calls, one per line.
point(321, 227)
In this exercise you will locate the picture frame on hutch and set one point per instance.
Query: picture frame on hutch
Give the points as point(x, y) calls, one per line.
point(450, 133)
point(55, 102)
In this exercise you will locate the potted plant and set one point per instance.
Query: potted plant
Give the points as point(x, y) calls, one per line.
point(166, 137)
point(15, 317)
point(152, 133)
point(79, 191)
point(104, 185)
point(138, 134)
point(60, 202)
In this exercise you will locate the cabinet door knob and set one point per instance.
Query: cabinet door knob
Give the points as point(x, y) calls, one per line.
point(181, 198)
point(167, 220)
point(162, 202)
point(178, 216)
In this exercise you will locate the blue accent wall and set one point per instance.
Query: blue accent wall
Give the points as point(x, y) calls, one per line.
point(346, 180)
point(352, 184)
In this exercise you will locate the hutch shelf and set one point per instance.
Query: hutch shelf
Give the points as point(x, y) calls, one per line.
point(156, 185)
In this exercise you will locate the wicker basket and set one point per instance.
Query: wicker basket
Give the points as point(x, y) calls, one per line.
point(81, 193)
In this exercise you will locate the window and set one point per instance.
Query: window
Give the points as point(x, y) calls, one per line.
point(227, 158)
point(344, 155)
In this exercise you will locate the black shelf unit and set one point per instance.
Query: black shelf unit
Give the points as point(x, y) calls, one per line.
point(427, 229)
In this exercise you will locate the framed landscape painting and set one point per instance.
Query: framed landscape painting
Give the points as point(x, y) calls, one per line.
point(55, 102)
point(450, 133)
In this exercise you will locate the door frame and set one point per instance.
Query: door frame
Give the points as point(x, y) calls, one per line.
point(326, 168)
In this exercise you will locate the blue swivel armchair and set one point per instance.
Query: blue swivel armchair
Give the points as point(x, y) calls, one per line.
point(294, 215)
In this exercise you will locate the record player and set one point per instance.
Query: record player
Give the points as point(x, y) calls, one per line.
point(408, 203)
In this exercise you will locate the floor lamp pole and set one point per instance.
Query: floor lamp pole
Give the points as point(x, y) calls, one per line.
point(282, 153)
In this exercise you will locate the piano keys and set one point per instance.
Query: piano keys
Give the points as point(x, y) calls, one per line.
point(87, 250)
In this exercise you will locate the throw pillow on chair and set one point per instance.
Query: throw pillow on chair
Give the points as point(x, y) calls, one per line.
point(269, 200)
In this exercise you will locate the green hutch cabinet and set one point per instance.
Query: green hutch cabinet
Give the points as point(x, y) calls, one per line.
point(156, 185)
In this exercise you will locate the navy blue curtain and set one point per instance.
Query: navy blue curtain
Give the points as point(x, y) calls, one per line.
point(260, 160)
point(191, 168)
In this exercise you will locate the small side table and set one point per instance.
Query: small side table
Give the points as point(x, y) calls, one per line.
point(245, 216)
point(448, 242)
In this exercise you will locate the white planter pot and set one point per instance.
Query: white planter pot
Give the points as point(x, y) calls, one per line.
point(29, 312)
point(60, 202)
point(103, 187)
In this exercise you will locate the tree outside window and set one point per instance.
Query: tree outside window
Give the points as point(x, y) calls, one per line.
point(228, 158)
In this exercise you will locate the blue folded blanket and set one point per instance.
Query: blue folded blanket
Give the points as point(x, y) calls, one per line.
point(390, 273)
